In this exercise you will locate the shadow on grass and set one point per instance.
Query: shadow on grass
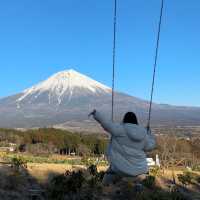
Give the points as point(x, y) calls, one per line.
point(18, 184)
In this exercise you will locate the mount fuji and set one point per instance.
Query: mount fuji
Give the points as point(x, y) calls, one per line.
point(65, 99)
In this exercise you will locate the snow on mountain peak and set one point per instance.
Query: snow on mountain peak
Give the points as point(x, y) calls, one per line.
point(64, 82)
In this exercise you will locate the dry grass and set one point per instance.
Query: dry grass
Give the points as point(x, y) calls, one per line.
point(42, 171)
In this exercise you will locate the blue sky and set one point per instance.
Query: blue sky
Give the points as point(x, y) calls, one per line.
point(39, 38)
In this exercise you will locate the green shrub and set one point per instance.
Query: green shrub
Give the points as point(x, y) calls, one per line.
point(88, 161)
point(18, 163)
point(197, 179)
point(196, 168)
point(149, 182)
point(65, 185)
point(154, 171)
point(93, 170)
point(57, 188)
point(185, 178)
point(96, 177)
point(100, 176)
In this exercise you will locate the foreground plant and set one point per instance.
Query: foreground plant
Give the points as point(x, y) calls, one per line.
point(186, 178)
point(65, 184)
point(18, 163)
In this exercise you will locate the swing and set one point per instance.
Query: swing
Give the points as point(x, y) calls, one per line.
point(121, 135)
point(154, 65)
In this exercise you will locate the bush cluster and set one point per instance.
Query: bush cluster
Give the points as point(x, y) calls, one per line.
point(75, 185)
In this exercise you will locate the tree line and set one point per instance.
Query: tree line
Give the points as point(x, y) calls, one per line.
point(54, 140)
point(172, 150)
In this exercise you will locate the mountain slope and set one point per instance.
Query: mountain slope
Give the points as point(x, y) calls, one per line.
point(65, 99)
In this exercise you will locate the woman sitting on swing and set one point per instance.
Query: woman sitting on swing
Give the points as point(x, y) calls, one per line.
point(127, 147)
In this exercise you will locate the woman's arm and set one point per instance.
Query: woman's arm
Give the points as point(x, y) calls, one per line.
point(113, 128)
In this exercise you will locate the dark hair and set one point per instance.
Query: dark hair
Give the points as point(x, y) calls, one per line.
point(130, 117)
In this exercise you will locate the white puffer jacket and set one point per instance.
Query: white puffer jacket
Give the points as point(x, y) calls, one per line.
point(126, 150)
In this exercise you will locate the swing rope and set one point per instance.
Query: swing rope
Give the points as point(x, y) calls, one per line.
point(114, 57)
point(155, 64)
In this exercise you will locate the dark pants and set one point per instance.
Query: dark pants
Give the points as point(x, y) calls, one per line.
point(112, 176)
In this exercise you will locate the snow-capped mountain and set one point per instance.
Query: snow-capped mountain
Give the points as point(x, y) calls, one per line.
point(65, 99)
point(62, 87)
